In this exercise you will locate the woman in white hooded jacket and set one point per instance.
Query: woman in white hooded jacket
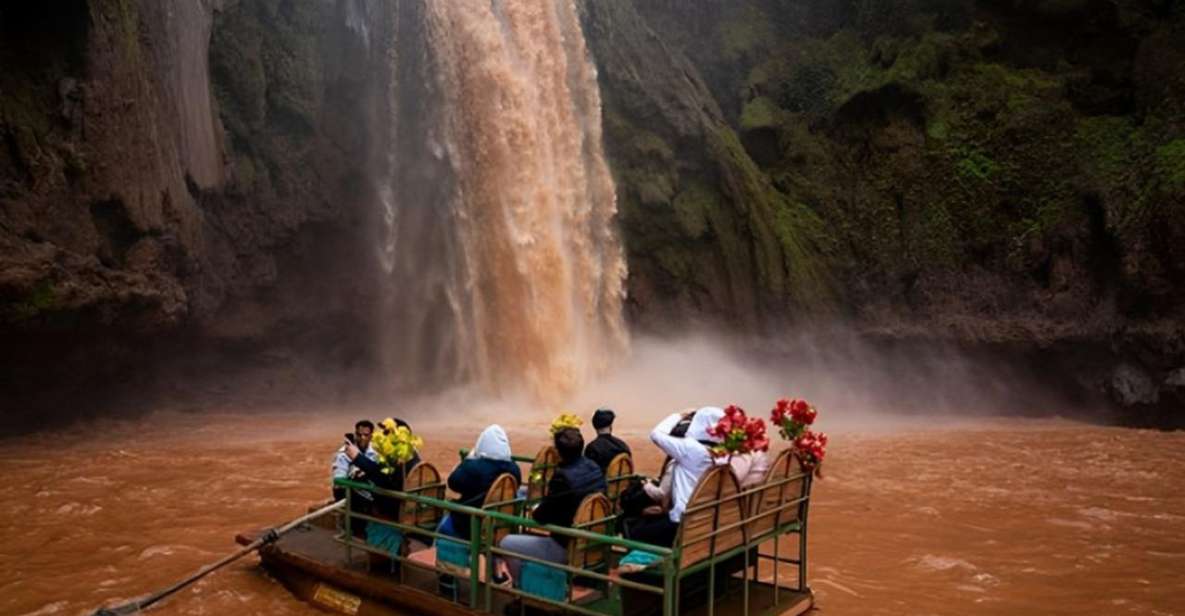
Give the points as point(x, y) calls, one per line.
point(691, 459)
point(489, 458)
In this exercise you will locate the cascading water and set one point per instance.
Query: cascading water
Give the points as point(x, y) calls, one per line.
point(505, 268)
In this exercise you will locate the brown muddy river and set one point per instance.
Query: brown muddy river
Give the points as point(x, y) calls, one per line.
point(989, 517)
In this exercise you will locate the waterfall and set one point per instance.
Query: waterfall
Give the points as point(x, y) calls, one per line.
point(505, 267)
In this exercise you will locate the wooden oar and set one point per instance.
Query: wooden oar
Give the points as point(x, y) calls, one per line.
point(270, 536)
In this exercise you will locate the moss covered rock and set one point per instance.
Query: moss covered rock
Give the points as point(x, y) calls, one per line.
point(1005, 173)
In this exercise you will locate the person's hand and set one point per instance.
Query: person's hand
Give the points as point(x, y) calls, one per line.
point(352, 451)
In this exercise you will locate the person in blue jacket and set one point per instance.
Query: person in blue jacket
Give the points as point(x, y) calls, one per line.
point(489, 458)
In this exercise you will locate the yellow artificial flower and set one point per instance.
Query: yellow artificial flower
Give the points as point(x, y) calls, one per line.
point(564, 421)
point(395, 445)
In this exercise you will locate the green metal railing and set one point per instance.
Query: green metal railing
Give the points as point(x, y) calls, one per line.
point(670, 570)
point(748, 543)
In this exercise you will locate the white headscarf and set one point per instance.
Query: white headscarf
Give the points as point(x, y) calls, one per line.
point(705, 417)
point(493, 444)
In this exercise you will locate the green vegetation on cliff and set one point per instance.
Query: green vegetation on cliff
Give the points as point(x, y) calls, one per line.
point(1170, 160)
point(38, 302)
point(879, 154)
point(787, 238)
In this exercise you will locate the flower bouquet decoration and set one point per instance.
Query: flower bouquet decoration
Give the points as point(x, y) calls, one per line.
point(564, 421)
point(739, 433)
point(394, 444)
point(794, 418)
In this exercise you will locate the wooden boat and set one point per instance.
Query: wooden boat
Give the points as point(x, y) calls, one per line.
point(721, 562)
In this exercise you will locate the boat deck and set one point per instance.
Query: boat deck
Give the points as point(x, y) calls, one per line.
point(313, 566)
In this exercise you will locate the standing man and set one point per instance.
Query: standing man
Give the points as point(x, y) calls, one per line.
point(606, 446)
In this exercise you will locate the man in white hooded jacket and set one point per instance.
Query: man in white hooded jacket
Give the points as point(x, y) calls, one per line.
point(691, 459)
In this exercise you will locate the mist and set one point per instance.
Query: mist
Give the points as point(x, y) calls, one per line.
point(859, 386)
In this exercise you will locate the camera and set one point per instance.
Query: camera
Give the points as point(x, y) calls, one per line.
point(680, 429)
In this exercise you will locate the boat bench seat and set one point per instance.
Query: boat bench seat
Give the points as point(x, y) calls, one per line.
point(427, 559)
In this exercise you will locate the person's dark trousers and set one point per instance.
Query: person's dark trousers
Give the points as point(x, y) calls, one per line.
point(656, 530)
point(360, 504)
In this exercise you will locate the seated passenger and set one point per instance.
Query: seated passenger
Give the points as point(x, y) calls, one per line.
point(575, 478)
point(343, 468)
point(605, 447)
point(749, 468)
point(690, 458)
point(659, 491)
point(489, 458)
point(373, 473)
point(653, 496)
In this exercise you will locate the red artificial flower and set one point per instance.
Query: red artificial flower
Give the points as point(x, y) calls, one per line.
point(755, 437)
point(810, 448)
point(738, 433)
point(733, 416)
point(802, 412)
point(781, 412)
point(792, 417)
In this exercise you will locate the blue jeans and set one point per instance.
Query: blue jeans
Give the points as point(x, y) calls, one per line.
point(446, 527)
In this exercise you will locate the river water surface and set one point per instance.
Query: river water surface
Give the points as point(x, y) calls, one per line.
point(989, 517)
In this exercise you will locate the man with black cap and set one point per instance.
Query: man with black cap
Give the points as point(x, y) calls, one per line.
point(606, 446)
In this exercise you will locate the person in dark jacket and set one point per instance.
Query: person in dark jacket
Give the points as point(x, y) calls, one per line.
point(372, 472)
point(605, 447)
point(575, 478)
point(489, 458)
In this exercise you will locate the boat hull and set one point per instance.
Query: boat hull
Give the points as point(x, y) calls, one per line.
point(312, 565)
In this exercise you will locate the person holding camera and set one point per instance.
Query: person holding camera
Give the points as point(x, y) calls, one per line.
point(366, 461)
point(684, 438)
point(343, 465)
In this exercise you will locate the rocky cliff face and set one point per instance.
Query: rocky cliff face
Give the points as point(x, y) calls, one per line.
point(182, 183)
point(997, 175)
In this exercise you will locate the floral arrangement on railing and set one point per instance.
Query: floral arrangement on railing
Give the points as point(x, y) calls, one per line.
point(394, 444)
point(794, 418)
point(739, 433)
point(565, 421)
point(810, 448)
